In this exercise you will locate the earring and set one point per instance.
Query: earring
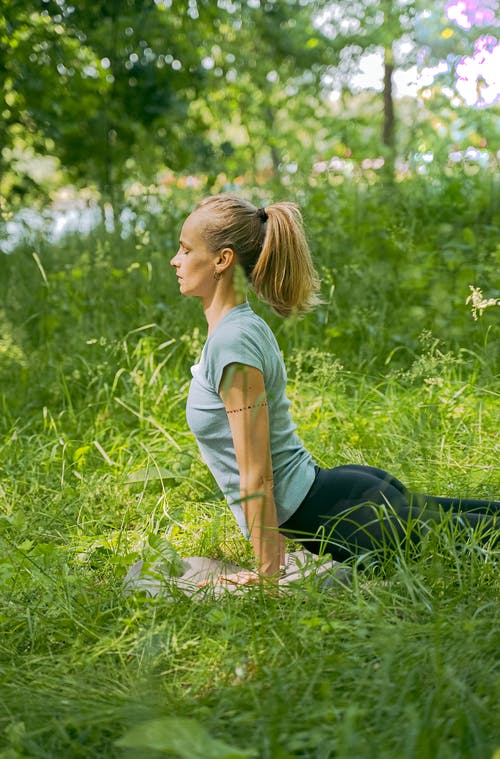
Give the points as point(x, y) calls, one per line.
point(217, 275)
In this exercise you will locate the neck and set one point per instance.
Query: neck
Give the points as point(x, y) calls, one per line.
point(220, 302)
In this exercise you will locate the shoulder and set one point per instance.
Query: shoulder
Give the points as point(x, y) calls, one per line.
point(241, 326)
point(243, 339)
point(235, 342)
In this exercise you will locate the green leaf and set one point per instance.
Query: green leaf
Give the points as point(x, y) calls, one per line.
point(151, 473)
point(185, 738)
point(170, 563)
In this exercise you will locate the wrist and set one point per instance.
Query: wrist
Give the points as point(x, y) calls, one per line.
point(270, 569)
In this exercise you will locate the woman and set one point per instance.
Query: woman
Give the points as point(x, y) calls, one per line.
point(238, 410)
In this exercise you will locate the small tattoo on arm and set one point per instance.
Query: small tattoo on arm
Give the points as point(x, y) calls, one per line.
point(246, 408)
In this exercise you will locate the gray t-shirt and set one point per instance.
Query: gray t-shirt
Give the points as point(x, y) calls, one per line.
point(243, 337)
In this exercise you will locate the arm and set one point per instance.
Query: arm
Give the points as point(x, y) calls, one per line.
point(243, 392)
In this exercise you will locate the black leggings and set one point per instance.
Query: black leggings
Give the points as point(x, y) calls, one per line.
point(352, 509)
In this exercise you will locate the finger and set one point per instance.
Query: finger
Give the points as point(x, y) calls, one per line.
point(230, 578)
point(236, 579)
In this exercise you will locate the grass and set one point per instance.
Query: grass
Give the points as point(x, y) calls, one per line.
point(98, 469)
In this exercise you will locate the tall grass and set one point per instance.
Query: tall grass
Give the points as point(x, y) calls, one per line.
point(97, 469)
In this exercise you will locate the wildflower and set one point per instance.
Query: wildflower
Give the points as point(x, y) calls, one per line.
point(479, 302)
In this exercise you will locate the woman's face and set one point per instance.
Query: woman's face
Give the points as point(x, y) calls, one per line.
point(194, 264)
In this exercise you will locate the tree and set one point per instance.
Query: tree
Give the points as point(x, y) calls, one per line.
point(102, 85)
point(406, 34)
point(354, 29)
point(118, 88)
point(265, 104)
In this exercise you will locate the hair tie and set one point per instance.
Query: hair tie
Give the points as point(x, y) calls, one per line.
point(261, 213)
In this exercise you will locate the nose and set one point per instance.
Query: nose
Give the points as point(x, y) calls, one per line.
point(173, 260)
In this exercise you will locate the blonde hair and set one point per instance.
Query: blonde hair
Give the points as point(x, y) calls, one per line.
point(271, 247)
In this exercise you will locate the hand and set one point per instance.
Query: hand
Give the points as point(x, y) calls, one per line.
point(244, 577)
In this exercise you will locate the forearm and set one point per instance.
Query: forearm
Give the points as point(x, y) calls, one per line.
point(243, 392)
point(260, 513)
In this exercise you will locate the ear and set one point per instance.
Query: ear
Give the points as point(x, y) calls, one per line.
point(224, 259)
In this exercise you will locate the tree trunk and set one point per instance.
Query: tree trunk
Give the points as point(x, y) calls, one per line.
point(275, 153)
point(110, 200)
point(388, 133)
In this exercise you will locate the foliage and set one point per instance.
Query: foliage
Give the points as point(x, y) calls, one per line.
point(408, 35)
point(123, 90)
point(115, 81)
point(111, 95)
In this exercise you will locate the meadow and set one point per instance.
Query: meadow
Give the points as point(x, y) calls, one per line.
point(98, 469)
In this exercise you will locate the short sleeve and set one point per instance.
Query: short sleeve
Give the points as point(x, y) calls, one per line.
point(231, 346)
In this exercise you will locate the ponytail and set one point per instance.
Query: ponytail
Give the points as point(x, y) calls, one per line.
point(271, 247)
point(284, 274)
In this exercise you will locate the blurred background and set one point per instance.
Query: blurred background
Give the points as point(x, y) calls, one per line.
point(104, 102)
